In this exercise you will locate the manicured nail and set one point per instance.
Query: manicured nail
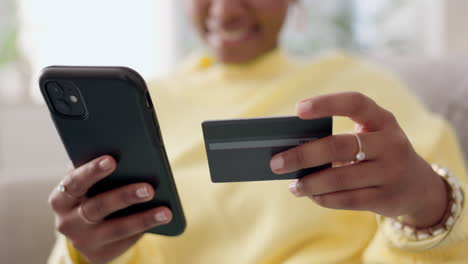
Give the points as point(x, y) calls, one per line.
point(105, 164)
point(161, 217)
point(295, 188)
point(277, 163)
point(142, 192)
point(303, 107)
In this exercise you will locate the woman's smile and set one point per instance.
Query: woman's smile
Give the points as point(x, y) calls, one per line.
point(237, 32)
point(220, 37)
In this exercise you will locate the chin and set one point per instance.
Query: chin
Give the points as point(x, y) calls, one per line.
point(227, 57)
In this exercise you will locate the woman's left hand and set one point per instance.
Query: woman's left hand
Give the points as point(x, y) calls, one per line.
point(392, 181)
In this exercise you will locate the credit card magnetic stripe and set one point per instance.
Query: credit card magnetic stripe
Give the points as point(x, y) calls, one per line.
point(248, 144)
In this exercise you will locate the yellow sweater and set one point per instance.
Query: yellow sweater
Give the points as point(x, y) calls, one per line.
point(261, 222)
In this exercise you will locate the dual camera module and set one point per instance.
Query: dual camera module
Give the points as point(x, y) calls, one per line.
point(66, 99)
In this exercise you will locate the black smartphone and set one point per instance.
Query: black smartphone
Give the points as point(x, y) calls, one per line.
point(108, 111)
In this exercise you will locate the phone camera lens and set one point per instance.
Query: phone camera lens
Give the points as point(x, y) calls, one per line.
point(66, 99)
point(54, 90)
point(63, 107)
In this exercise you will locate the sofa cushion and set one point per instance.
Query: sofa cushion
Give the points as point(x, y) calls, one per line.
point(27, 222)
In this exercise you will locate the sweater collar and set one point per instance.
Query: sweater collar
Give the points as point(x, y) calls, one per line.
point(265, 66)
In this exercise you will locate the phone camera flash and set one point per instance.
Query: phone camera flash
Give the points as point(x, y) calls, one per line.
point(73, 99)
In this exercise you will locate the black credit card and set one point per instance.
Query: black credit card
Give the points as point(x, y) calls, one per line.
point(241, 149)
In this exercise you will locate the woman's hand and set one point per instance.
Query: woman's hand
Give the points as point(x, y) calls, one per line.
point(81, 219)
point(392, 181)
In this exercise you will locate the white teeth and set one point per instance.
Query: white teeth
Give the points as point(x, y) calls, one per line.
point(233, 35)
point(226, 35)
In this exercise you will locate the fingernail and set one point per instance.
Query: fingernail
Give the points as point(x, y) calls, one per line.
point(303, 107)
point(161, 217)
point(277, 163)
point(142, 192)
point(295, 188)
point(105, 164)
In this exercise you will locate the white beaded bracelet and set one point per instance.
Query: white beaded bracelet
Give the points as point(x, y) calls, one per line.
point(450, 216)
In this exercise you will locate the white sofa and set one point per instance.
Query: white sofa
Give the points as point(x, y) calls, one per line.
point(27, 224)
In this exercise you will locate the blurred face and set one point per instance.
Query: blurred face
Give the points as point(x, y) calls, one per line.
point(238, 31)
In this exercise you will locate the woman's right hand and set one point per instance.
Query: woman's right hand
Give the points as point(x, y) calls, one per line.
point(81, 219)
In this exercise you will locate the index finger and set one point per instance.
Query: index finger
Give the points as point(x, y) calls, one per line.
point(360, 108)
point(78, 182)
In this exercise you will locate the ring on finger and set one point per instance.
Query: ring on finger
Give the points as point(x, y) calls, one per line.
point(84, 217)
point(63, 189)
point(361, 155)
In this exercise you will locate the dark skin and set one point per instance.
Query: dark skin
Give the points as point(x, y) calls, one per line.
point(238, 31)
point(393, 181)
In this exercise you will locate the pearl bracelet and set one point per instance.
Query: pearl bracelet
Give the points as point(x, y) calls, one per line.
point(451, 215)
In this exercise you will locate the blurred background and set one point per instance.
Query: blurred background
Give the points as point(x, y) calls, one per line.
point(154, 36)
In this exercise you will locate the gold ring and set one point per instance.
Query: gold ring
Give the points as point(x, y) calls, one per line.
point(83, 216)
point(360, 156)
point(63, 189)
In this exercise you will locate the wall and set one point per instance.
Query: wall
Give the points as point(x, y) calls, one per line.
point(455, 27)
point(29, 144)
